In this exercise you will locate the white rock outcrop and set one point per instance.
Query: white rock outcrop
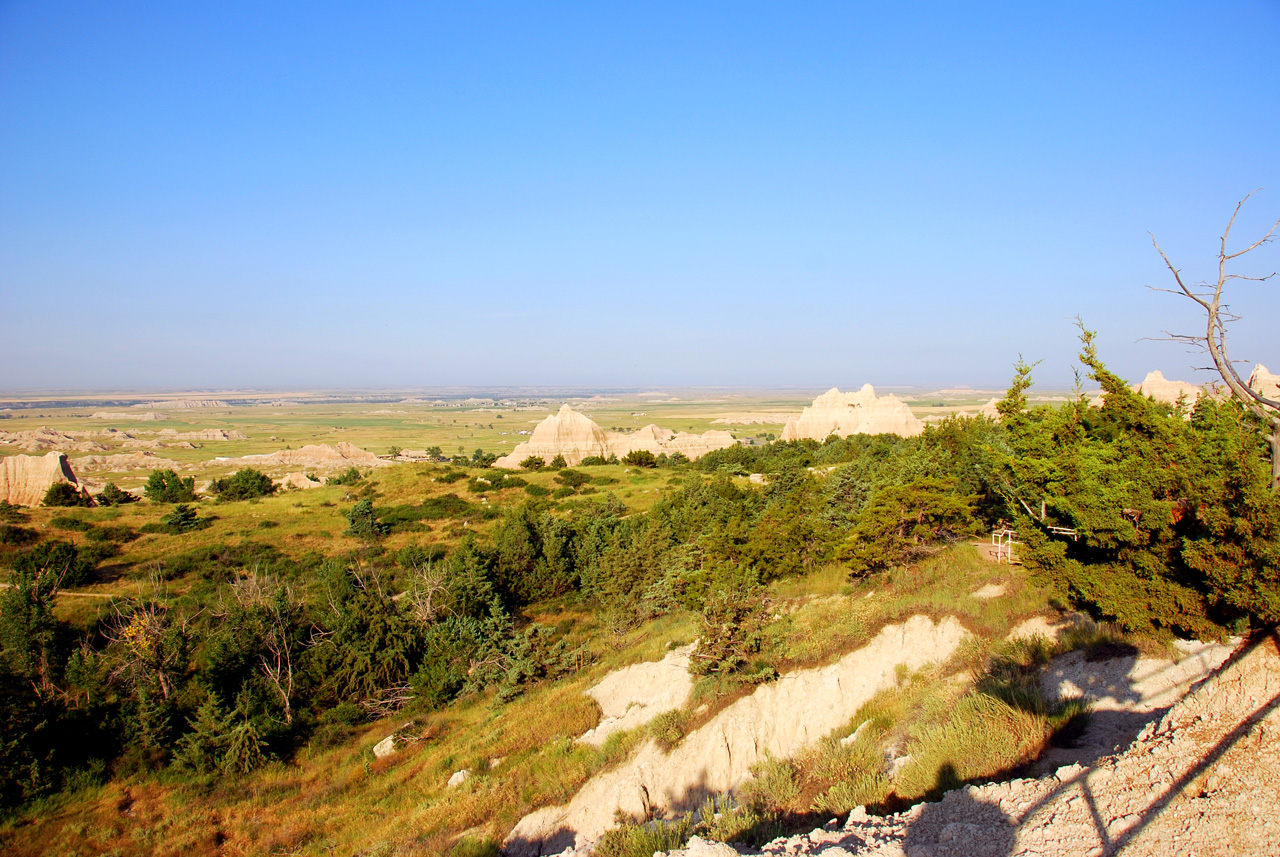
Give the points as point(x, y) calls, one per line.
point(1198, 779)
point(24, 479)
point(1161, 389)
point(298, 480)
point(843, 414)
point(1264, 382)
point(576, 436)
point(634, 695)
point(204, 434)
point(780, 718)
point(121, 415)
point(321, 456)
point(385, 747)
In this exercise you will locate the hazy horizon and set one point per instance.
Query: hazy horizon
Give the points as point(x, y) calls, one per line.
point(500, 196)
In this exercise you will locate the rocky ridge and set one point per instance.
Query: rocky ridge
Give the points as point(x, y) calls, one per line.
point(843, 414)
point(1264, 382)
point(576, 436)
point(1199, 780)
point(779, 718)
point(1161, 389)
point(24, 479)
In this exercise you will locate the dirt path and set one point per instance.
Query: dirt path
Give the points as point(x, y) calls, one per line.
point(61, 593)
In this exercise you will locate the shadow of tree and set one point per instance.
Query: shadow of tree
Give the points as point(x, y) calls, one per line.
point(960, 826)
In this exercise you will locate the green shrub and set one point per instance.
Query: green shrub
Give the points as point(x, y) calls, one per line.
point(16, 536)
point(364, 523)
point(668, 728)
point(593, 461)
point(643, 840)
point(470, 847)
point(494, 480)
point(572, 478)
point(73, 566)
point(66, 522)
point(901, 521)
point(773, 787)
point(640, 458)
point(533, 462)
point(65, 494)
point(245, 484)
point(350, 476)
point(165, 486)
point(113, 496)
point(401, 518)
point(537, 490)
point(11, 514)
point(182, 519)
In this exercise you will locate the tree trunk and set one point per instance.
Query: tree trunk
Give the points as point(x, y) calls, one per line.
point(1275, 457)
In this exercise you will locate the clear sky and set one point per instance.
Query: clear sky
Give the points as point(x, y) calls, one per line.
point(321, 194)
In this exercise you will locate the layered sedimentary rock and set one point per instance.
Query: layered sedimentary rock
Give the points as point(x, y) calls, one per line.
point(299, 481)
point(780, 718)
point(320, 456)
point(44, 439)
point(843, 414)
point(121, 415)
point(185, 404)
point(1264, 382)
point(576, 436)
point(122, 461)
point(1161, 389)
point(204, 434)
point(24, 479)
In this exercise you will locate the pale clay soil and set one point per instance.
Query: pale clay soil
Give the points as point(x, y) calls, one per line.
point(1199, 780)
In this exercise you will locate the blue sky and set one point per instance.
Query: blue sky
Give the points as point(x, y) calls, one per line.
point(799, 194)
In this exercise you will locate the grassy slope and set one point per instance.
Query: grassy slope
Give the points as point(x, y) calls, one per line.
point(340, 800)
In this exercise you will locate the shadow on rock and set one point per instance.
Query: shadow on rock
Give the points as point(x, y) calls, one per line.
point(552, 843)
point(960, 826)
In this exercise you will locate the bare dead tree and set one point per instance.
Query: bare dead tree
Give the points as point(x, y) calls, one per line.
point(1209, 297)
point(276, 609)
point(428, 594)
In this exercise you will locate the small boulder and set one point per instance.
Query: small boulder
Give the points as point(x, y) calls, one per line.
point(458, 778)
point(385, 747)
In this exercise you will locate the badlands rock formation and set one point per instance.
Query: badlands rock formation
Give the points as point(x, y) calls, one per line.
point(185, 404)
point(44, 439)
point(298, 480)
point(122, 415)
point(780, 718)
point(123, 461)
point(204, 434)
point(843, 414)
point(24, 479)
point(1200, 780)
point(320, 456)
point(576, 436)
point(1159, 388)
point(1264, 382)
point(634, 695)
